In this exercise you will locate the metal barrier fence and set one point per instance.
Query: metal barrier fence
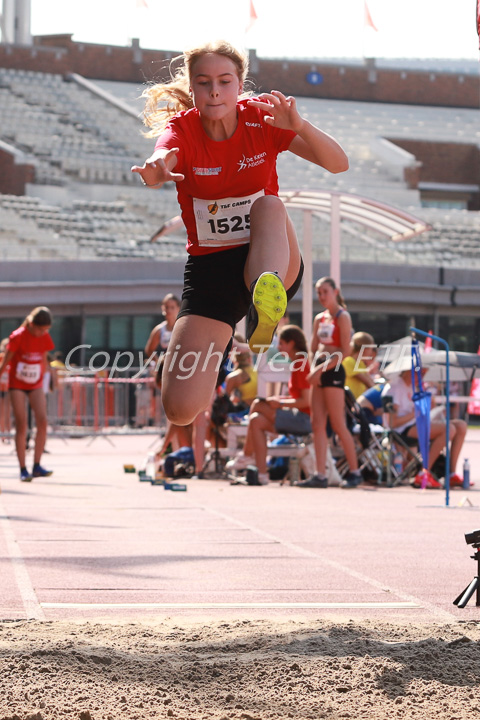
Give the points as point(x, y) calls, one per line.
point(91, 405)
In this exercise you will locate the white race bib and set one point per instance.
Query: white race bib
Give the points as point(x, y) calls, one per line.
point(325, 333)
point(225, 221)
point(28, 372)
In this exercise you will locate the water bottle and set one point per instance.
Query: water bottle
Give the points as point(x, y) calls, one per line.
point(466, 474)
point(398, 462)
point(150, 466)
point(293, 470)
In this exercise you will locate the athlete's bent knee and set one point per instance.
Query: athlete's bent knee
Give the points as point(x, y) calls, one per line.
point(177, 414)
point(178, 410)
point(266, 203)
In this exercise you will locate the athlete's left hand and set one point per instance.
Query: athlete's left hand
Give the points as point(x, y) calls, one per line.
point(281, 111)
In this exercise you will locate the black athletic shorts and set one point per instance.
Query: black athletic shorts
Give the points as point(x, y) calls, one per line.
point(404, 434)
point(335, 377)
point(214, 286)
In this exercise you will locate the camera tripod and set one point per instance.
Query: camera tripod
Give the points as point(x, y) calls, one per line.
point(215, 456)
point(465, 596)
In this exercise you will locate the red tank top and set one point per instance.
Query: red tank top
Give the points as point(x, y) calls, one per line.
point(223, 179)
point(27, 365)
point(328, 330)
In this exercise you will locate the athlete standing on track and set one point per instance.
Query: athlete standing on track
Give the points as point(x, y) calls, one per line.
point(330, 344)
point(220, 147)
point(26, 354)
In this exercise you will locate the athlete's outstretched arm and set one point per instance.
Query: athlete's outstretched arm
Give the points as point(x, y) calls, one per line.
point(311, 143)
point(158, 168)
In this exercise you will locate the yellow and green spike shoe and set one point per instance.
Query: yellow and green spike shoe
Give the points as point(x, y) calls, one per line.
point(269, 302)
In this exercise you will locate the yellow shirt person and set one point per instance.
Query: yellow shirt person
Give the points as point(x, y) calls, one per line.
point(363, 351)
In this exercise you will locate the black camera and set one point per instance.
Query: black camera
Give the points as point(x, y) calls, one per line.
point(473, 538)
point(387, 403)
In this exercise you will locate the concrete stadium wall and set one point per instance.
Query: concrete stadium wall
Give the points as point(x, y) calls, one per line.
point(444, 162)
point(136, 287)
point(59, 54)
point(344, 82)
point(15, 173)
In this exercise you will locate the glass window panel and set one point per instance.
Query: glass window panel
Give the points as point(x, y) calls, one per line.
point(142, 327)
point(95, 331)
point(8, 325)
point(119, 332)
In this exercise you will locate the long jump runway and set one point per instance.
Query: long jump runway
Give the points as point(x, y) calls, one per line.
point(93, 542)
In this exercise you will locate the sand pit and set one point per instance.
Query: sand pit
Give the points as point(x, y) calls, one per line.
point(239, 670)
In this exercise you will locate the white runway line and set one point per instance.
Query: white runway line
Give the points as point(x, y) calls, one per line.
point(32, 607)
point(443, 614)
point(233, 605)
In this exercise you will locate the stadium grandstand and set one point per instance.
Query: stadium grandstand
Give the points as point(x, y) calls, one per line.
point(76, 225)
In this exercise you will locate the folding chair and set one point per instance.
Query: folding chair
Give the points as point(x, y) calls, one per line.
point(394, 445)
point(376, 448)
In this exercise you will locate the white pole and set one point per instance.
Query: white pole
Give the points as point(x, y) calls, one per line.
point(8, 21)
point(23, 34)
point(335, 237)
point(307, 302)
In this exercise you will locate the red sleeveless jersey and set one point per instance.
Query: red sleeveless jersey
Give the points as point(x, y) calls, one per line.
point(223, 179)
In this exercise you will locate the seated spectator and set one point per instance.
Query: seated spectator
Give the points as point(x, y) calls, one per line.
point(402, 419)
point(292, 342)
point(273, 388)
point(241, 383)
point(57, 361)
point(371, 403)
point(357, 364)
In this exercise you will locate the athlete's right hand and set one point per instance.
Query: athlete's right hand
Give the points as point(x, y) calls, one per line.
point(157, 169)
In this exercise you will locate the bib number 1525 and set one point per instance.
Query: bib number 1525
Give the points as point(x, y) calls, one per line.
point(234, 224)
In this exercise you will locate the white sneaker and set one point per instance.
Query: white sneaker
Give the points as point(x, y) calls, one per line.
point(241, 462)
point(263, 479)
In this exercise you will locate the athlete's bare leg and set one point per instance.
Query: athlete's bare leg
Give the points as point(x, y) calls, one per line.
point(192, 362)
point(273, 242)
point(19, 407)
point(38, 403)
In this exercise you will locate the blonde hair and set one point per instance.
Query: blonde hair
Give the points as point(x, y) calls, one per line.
point(359, 339)
point(164, 100)
point(330, 281)
point(40, 316)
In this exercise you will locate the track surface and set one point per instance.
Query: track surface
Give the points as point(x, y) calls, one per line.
point(93, 542)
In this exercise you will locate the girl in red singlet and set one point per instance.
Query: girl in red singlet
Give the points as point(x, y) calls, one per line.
point(4, 404)
point(27, 356)
point(220, 147)
point(330, 344)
